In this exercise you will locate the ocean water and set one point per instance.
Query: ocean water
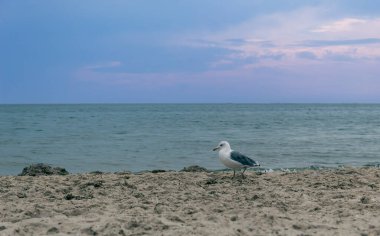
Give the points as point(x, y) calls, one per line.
point(137, 137)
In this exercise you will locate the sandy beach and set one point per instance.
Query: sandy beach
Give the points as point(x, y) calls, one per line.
point(312, 202)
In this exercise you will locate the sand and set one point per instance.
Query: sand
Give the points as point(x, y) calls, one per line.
point(321, 202)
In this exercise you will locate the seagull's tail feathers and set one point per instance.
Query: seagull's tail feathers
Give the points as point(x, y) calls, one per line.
point(255, 163)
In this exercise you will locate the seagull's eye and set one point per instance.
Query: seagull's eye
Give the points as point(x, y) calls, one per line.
point(221, 144)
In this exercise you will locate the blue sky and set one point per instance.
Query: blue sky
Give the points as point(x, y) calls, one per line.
point(94, 51)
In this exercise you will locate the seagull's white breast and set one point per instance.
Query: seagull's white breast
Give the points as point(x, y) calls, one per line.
point(224, 157)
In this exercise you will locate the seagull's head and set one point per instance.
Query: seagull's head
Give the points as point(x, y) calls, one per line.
point(223, 145)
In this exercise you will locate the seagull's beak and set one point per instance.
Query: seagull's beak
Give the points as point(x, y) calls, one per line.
point(216, 148)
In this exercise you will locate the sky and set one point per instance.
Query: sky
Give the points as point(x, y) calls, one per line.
point(189, 51)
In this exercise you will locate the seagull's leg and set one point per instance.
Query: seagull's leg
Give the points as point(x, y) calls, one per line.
point(233, 175)
point(242, 174)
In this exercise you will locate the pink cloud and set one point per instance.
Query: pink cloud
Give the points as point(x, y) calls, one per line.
point(286, 35)
point(346, 24)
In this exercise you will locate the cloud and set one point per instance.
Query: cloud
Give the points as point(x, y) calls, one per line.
point(236, 41)
point(237, 61)
point(105, 65)
point(317, 37)
point(338, 56)
point(306, 55)
point(346, 24)
point(347, 28)
point(324, 43)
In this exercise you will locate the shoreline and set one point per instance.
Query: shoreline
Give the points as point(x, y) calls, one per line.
point(253, 170)
point(315, 202)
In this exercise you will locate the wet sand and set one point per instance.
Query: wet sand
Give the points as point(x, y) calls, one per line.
point(322, 202)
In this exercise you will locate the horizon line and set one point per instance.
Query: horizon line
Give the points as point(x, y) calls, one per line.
point(197, 103)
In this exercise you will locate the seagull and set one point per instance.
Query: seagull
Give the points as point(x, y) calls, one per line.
point(233, 159)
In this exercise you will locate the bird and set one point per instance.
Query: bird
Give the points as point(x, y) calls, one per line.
point(233, 159)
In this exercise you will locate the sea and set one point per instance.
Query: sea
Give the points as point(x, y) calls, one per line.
point(142, 137)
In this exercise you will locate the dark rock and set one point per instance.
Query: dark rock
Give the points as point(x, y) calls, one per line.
point(43, 169)
point(158, 208)
point(297, 227)
point(158, 171)
point(53, 230)
point(195, 168)
point(21, 195)
point(75, 197)
point(89, 231)
point(255, 197)
point(2, 228)
point(365, 200)
point(147, 227)
point(121, 232)
point(234, 218)
point(133, 224)
point(84, 196)
point(69, 196)
point(97, 172)
point(211, 181)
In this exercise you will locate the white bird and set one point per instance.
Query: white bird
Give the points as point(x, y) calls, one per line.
point(233, 159)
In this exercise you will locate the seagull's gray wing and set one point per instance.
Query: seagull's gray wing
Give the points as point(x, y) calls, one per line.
point(243, 159)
